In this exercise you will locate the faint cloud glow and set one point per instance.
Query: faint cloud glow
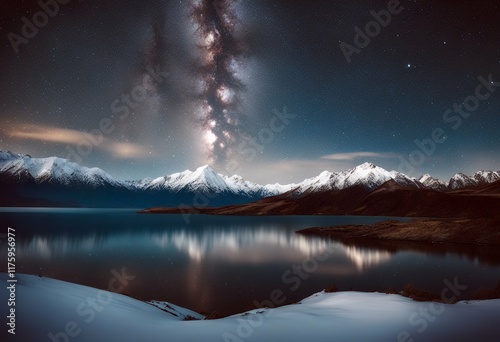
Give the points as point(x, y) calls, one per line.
point(74, 137)
point(356, 155)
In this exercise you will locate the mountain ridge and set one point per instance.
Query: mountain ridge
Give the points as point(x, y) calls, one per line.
point(213, 188)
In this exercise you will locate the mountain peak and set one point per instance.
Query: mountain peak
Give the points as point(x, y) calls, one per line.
point(368, 168)
point(325, 175)
point(432, 183)
point(8, 155)
point(367, 165)
point(203, 178)
point(459, 175)
point(204, 168)
point(425, 177)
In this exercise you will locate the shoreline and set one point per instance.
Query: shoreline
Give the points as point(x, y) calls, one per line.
point(475, 231)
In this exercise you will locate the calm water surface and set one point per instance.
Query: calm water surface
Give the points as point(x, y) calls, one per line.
point(224, 264)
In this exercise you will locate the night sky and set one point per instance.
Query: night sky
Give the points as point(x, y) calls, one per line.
point(271, 90)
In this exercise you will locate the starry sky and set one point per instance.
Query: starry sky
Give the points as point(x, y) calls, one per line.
point(273, 90)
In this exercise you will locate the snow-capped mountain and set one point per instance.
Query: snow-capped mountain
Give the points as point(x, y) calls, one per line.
point(205, 180)
point(371, 177)
point(433, 183)
point(53, 179)
point(486, 177)
point(319, 183)
point(54, 170)
point(28, 178)
point(461, 180)
point(366, 175)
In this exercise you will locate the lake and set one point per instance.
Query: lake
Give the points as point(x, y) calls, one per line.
point(226, 263)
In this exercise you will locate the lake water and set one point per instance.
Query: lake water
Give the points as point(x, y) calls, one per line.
point(224, 264)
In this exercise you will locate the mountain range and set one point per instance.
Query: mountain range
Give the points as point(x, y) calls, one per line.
point(27, 181)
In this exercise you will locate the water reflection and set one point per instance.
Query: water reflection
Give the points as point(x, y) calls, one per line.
point(225, 263)
point(239, 244)
point(244, 245)
point(364, 258)
point(52, 247)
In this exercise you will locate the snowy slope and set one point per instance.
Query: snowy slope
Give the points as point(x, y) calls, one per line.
point(205, 180)
point(319, 183)
point(367, 175)
point(433, 183)
point(486, 177)
point(46, 306)
point(371, 176)
point(461, 180)
point(55, 170)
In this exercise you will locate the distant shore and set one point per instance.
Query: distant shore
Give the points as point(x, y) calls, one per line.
point(479, 231)
point(176, 210)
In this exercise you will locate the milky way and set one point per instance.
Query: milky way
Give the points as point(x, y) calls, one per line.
point(219, 88)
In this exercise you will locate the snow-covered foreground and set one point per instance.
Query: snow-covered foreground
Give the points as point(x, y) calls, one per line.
point(48, 309)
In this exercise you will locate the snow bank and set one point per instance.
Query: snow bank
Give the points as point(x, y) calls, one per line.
point(52, 310)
